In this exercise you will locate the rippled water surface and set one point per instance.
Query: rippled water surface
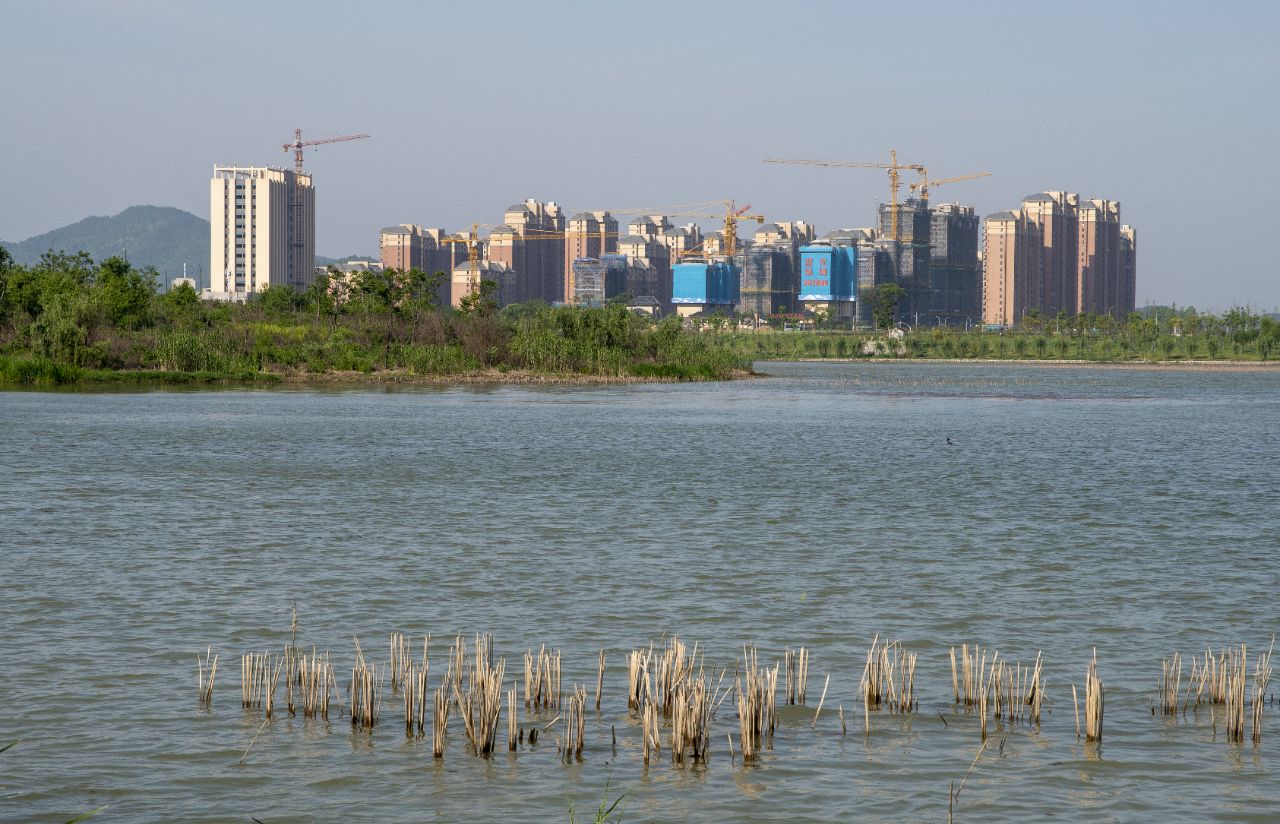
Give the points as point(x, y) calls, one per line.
point(1132, 510)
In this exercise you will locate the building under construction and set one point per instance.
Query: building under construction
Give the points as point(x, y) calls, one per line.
point(768, 281)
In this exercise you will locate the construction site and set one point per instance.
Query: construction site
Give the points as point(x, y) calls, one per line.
point(1063, 257)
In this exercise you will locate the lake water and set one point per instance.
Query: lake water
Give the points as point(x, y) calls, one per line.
point(1131, 510)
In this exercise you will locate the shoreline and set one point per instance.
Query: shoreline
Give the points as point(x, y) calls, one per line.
point(99, 379)
point(1170, 365)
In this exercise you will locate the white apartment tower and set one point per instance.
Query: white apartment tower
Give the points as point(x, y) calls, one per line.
point(262, 224)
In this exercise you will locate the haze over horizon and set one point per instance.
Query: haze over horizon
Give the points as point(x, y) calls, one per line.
point(1168, 108)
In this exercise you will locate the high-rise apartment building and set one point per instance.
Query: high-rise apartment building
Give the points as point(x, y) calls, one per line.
point(955, 284)
point(262, 230)
point(587, 235)
point(1098, 285)
point(406, 246)
point(910, 252)
point(537, 252)
point(1057, 254)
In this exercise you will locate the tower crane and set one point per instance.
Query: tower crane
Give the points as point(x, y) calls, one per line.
point(922, 185)
point(295, 199)
point(473, 257)
point(893, 167)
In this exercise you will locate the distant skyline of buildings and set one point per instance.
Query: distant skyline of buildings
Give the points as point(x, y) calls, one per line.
point(1056, 253)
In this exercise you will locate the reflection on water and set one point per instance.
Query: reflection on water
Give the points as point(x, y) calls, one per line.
point(1131, 510)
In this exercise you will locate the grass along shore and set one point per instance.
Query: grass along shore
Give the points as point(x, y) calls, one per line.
point(68, 320)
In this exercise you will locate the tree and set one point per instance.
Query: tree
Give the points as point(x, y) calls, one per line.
point(126, 293)
point(884, 304)
point(480, 303)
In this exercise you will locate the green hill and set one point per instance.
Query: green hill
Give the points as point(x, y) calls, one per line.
point(158, 236)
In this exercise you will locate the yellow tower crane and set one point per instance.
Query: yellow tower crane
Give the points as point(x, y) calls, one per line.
point(922, 185)
point(473, 258)
point(893, 167)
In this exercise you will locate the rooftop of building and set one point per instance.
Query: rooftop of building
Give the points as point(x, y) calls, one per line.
point(1005, 215)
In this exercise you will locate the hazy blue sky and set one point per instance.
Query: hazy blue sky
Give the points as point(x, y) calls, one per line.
point(1170, 108)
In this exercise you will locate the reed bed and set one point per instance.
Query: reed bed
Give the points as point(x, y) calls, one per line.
point(1261, 678)
point(316, 684)
point(888, 677)
point(440, 722)
point(1016, 691)
point(673, 667)
point(757, 706)
point(401, 661)
point(966, 681)
point(651, 740)
point(365, 690)
point(206, 671)
point(542, 679)
point(797, 669)
point(575, 725)
point(414, 689)
point(696, 703)
point(1093, 702)
point(259, 675)
point(639, 691)
point(480, 704)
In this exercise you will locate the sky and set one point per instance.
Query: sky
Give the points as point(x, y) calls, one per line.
point(1168, 107)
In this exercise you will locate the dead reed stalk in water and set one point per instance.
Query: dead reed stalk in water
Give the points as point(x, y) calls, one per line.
point(256, 677)
point(480, 704)
point(1261, 677)
point(1170, 684)
point(542, 679)
point(414, 690)
point(317, 684)
point(757, 708)
point(365, 691)
point(599, 679)
point(440, 722)
point(797, 669)
point(1236, 681)
point(1093, 701)
point(513, 719)
point(639, 664)
point(649, 731)
point(269, 700)
point(888, 676)
point(575, 724)
point(814, 723)
point(206, 671)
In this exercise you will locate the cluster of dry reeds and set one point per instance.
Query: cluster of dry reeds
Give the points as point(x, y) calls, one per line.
point(575, 725)
point(1093, 702)
point(696, 702)
point(480, 703)
point(316, 684)
point(998, 689)
point(967, 679)
point(542, 679)
point(1170, 684)
point(638, 662)
point(757, 707)
point(412, 679)
point(206, 671)
point(650, 727)
point(1261, 677)
point(888, 677)
point(259, 677)
point(439, 722)
point(797, 668)
point(365, 691)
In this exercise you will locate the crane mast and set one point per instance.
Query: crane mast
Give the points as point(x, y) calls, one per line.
point(298, 278)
